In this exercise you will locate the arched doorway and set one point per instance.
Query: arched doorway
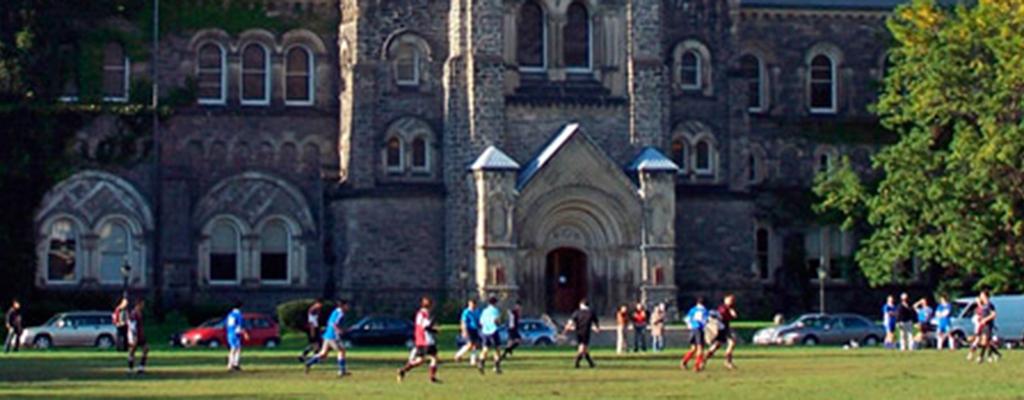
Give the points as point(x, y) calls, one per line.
point(566, 279)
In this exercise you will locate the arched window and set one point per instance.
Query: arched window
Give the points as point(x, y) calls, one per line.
point(407, 65)
point(62, 252)
point(751, 72)
point(531, 37)
point(211, 74)
point(419, 154)
point(274, 253)
point(679, 156)
point(115, 243)
point(393, 155)
point(576, 38)
point(115, 73)
point(761, 253)
point(298, 82)
point(822, 84)
point(255, 75)
point(824, 163)
point(689, 70)
point(704, 158)
point(224, 262)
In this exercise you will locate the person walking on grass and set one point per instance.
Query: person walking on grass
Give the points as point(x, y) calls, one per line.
point(583, 322)
point(639, 328)
point(332, 340)
point(621, 321)
point(426, 345)
point(137, 338)
point(889, 312)
point(314, 340)
point(924, 321)
point(905, 317)
point(234, 329)
point(120, 319)
point(696, 319)
point(489, 333)
point(469, 325)
point(514, 337)
point(658, 328)
point(942, 321)
point(12, 320)
point(985, 314)
point(727, 313)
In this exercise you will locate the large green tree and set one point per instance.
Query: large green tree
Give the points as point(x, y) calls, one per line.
point(950, 191)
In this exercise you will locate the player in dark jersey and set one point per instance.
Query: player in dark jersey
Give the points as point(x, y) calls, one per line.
point(985, 312)
point(137, 338)
point(514, 338)
point(583, 321)
point(426, 344)
point(727, 313)
point(314, 340)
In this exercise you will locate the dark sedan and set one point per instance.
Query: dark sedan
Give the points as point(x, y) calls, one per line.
point(379, 331)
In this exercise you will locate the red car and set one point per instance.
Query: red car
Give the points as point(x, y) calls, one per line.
point(263, 331)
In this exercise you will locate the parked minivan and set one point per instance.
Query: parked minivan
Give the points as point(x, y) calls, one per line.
point(1009, 317)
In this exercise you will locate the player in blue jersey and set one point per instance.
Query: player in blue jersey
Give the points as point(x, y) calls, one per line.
point(469, 324)
point(924, 321)
point(943, 312)
point(889, 311)
point(696, 319)
point(489, 332)
point(234, 326)
point(332, 339)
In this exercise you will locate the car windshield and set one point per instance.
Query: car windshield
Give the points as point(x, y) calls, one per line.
point(53, 320)
point(212, 323)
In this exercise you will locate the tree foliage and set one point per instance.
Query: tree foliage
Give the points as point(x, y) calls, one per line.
point(951, 191)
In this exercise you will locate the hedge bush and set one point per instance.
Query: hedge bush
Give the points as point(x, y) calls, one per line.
point(292, 314)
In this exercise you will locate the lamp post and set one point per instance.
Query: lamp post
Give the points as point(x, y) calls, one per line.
point(126, 272)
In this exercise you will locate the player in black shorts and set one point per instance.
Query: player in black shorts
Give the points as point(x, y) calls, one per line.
point(583, 321)
point(514, 338)
point(726, 314)
point(137, 338)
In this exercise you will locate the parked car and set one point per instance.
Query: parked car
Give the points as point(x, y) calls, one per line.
point(376, 331)
point(814, 329)
point(263, 331)
point(1009, 317)
point(534, 332)
point(73, 329)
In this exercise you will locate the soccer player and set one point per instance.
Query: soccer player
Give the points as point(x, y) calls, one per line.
point(514, 338)
point(332, 339)
point(583, 321)
point(12, 319)
point(489, 333)
point(234, 328)
point(137, 338)
point(469, 324)
point(942, 318)
point(120, 319)
point(985, 311)
point(426, 346)
point(889, 311)
point(313, 338)
point(727, 313)
point(924, 321)
point(696, 319)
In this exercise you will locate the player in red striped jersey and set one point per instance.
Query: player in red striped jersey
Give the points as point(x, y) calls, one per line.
point(426, 344)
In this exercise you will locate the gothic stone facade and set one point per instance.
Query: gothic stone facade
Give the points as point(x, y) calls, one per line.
point(545, 150)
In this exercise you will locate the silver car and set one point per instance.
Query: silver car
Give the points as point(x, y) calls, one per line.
point(73, 329)
point(814, 329)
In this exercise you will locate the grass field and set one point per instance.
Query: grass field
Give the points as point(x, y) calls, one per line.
point(819, 373)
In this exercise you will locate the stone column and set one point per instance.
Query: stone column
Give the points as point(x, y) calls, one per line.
point(494, 176)
point(648, 100)
point(656, 175)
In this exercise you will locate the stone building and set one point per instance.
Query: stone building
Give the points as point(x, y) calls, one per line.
point(546, 150)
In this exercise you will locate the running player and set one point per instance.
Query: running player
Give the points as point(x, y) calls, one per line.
point(489, 332)
point(234, 326)
point(986, 313)
point(942, 314)
point(583, 321)
point(696, 319)
point(426, 346)
point(726, 313)
point(469, 324)
point(137, 338)
point(889, 311)
point(313, 338)
point(332, 339)
point(514, 338)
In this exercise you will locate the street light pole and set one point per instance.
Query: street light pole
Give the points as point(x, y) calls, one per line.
point(126, 272)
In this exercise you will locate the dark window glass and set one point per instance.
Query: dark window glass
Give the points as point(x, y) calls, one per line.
point(679, 154)
point(703, 159)
point(822, 84)
point(689, 69)
point(394, 153)
point(224, 253)
point(750, 71)
point(254, 73)
point(761, 247)
point(61, 257)
point(419, 153)
point(210, 85)
point(115, 84)
point(407, 60)
point(751, 168)
point(274, 252)
point(530, 36)
point(576, 37)
point(298, 75)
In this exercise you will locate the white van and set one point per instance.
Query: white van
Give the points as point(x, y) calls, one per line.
point(1009, 317)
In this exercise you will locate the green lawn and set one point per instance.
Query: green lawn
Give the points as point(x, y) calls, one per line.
point(821, 373)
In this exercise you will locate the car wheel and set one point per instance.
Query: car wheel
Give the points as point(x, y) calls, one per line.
point(810, 341)
point(213, 344)
point(42, 342)
point(871, 340)
point(410, 343)
point(543, 342)
point(272, 343)
point(960, 337)
point(104, 342)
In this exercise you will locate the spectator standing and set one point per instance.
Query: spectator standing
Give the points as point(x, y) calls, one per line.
point(942, 314)
point(889, 311)
point(905, 317)
point(639, 328)
point(12, 319)
point(658, 328)
point(621, 320)
point(924, 321)
point(120, 318)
